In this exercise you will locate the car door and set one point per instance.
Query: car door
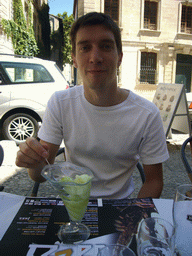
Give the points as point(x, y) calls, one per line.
point(5, 92)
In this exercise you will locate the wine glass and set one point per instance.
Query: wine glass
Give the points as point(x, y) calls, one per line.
point(73, 184)
point(115, 250)
point(182, 218)
point(155, 238)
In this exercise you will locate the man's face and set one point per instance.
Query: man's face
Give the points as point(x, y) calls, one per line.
point(96, 56)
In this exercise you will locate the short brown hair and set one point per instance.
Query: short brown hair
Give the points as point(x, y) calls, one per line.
point(95, 18)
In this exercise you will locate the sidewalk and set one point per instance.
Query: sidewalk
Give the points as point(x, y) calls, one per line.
point(8, 168)
point(16, 180)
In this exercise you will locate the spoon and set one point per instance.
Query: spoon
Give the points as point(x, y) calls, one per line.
point(47, 161)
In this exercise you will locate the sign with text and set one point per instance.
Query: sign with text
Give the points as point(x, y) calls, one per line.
point(172, 104)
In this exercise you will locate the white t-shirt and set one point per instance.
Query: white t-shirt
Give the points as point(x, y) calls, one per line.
point(108, 140)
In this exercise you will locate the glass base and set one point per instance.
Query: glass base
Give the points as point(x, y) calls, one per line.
point(73, 233)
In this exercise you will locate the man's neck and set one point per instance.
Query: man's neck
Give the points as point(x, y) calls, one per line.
point(106, 98)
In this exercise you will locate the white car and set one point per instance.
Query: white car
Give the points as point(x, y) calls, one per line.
point(26, 84)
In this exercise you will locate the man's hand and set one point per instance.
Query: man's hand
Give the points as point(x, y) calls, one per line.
point(31, 154)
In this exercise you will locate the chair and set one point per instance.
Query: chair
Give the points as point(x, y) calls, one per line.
point(1, 155)
point(1, 161)
point(62, 151)
point(184, 157)
point(140, 169)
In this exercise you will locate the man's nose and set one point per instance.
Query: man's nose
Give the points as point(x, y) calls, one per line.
point(96, 55)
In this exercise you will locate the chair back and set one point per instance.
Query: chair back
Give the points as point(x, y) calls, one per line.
point(184, 157)
point(1, 155)
point(1, 161)
point(141, 171)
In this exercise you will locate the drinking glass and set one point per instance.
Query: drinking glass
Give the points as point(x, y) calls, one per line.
point(182, 218)
point(155, 238)
point(115, 250)
point(73, 184)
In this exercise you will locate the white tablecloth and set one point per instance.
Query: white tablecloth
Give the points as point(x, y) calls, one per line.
point(10, 204)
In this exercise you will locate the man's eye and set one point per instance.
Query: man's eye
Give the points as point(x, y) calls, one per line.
point(107, 47)
point(84, 48)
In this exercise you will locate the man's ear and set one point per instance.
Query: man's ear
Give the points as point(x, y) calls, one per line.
point(120, 59)
point(74, 60)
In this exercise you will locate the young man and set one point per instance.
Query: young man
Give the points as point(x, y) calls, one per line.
point(104, 127)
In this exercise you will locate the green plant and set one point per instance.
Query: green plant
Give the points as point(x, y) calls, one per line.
point(20, 31)
point(67, 23)
point(43, 15)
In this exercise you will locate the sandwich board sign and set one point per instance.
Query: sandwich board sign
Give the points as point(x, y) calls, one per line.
point(172, 104)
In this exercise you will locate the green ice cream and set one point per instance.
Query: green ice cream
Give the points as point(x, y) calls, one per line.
point(75, 195)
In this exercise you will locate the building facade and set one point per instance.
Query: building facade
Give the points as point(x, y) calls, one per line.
point(6, 12)
point(156, 37)
point(56, 25)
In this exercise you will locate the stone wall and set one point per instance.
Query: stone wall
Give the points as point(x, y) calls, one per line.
point(167, 41)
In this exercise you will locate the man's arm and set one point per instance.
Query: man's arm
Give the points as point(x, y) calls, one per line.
point(153, 185)
point(33, 155)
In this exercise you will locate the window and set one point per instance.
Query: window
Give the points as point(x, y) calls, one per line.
point(148, 67)
point(150, 15)
point(112, 9)
point(2, 82)
point(186, 19)
point(26, 73)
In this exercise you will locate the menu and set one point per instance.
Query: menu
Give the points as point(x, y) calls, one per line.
point(167, 98)
point(34, 228)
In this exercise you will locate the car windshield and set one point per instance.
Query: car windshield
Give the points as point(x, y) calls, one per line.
point(26, 72)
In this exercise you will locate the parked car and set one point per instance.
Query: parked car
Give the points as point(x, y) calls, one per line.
point(26, 84)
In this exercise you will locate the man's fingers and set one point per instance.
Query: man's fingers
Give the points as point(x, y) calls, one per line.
point(33, 158)
point(37, 147)
point(27, 154)
point(31, 154)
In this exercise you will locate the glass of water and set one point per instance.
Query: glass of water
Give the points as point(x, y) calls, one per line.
point(155, 237)
point(182, 218)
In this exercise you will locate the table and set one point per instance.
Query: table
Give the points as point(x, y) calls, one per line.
point(10, 204)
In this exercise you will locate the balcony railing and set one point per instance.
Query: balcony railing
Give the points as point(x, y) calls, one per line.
point(149, 25)
point(185, 29)
point(148, 76)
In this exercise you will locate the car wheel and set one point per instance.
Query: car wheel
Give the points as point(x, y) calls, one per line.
point(19, 127)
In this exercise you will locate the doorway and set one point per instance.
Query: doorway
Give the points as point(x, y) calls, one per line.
point(184, 71)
